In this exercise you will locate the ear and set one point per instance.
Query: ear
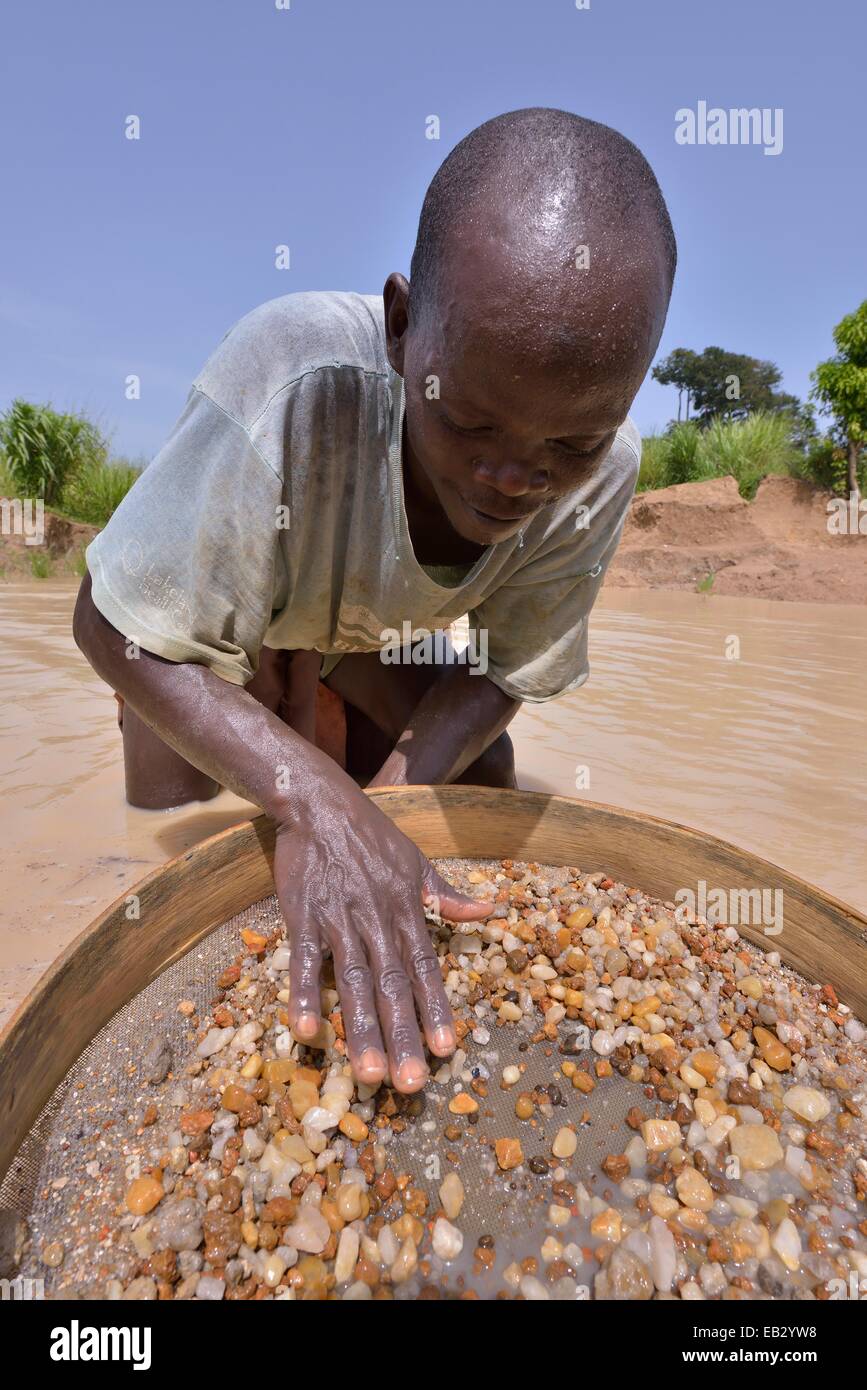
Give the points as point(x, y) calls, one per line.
point(395, 297)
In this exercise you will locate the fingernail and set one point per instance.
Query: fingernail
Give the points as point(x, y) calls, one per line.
point(444, 1040)
point(371, 1061)
point(412, 1072)
point(307, 1023)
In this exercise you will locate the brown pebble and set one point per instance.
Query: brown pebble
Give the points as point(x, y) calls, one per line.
point(616, 1167)
point(509, 1153)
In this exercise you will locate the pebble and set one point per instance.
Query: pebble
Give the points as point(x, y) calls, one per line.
point(178, 1225)
point(156, 1061)
point(209, 1288)
point(660, 1135)
point(693, 1078)
point(347, 1255)
point(406, 1263)
point(320, 1120)
point(52, 1255)
point(807, 1103)
point(607, 1225)
point(143, 1289)
point(509, 1153)
point(463, 1104)
point(448, 1241)
point(388, 1246)
point(786, 1242)
point(616, 962)
point(694, 1191)
point(625, 1278)
point(565, 1143)
point(451, 1195)
point(350, 1200)
point(663, 1254)
point(756, 1147)
point(751, 986)
point(511, 1076)
point(354, 1128)
point(359, 1292)
point(214, 1041)
point(309, 1231)
point(707, 1064)
point(772, 1050)
point(143, 1195)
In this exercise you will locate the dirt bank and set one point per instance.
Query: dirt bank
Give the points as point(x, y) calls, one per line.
point(776, 547)
point(60, 551)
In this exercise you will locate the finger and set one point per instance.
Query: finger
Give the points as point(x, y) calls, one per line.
point(452, 904)
point(426, 979)
point(396, 1008)
point(354, 982)
point(305, 971)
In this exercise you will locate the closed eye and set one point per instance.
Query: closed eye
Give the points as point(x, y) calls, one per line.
point(464, 429)
point(576, 453)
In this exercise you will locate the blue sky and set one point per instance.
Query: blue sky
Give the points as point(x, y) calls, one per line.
point(306, 126)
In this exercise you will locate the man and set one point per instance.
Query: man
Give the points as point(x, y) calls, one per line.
point(344, 466)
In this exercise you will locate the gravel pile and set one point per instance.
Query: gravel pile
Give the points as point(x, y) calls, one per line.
point(252, 1167)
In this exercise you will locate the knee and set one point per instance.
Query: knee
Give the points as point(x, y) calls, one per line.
point(495, 767)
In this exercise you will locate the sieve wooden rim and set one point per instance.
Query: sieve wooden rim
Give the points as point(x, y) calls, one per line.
point(114, 958)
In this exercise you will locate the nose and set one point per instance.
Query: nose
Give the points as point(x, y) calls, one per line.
point(510, 478)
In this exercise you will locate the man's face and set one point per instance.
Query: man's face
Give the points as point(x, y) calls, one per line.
point(498, 437)
point(515, 391)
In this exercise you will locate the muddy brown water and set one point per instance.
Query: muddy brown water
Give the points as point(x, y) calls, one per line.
point(747, 718)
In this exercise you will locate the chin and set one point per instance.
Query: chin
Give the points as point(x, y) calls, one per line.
point(485, 530)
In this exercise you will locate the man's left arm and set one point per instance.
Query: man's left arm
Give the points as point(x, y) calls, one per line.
point(460, 716)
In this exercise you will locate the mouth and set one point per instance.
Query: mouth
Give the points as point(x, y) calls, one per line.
point(490, 519)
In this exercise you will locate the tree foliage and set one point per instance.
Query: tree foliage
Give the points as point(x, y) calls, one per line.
point(724, 384)
point(840, 387)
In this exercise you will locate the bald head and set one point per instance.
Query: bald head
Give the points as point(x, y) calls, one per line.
point(539, 287)
point(570, 215)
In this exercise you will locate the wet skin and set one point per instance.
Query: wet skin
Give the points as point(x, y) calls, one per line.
point(521, 416)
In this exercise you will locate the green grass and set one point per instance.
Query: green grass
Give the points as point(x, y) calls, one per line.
point(750, 450)
point(45, 448)
point(7, 482)
point(64, 459)
point(40, 565)
point(705, 585)
point(97, 490)
point(654, 458)
point(746, 450)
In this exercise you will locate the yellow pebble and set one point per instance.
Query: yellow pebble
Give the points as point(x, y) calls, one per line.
point(143, 1195)
point(751, 985)
point(462, 1104)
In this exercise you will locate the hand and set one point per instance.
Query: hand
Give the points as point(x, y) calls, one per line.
point(348, 879)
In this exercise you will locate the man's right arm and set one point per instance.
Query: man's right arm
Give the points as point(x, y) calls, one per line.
point(345, 876)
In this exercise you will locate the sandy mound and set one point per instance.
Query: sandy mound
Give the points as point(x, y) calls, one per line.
point(777, 546)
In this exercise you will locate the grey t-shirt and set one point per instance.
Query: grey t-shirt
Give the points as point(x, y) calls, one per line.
point(274, 515)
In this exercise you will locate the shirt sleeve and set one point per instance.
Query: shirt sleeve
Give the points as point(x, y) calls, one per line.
point(533, 630)
point(186, 566)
